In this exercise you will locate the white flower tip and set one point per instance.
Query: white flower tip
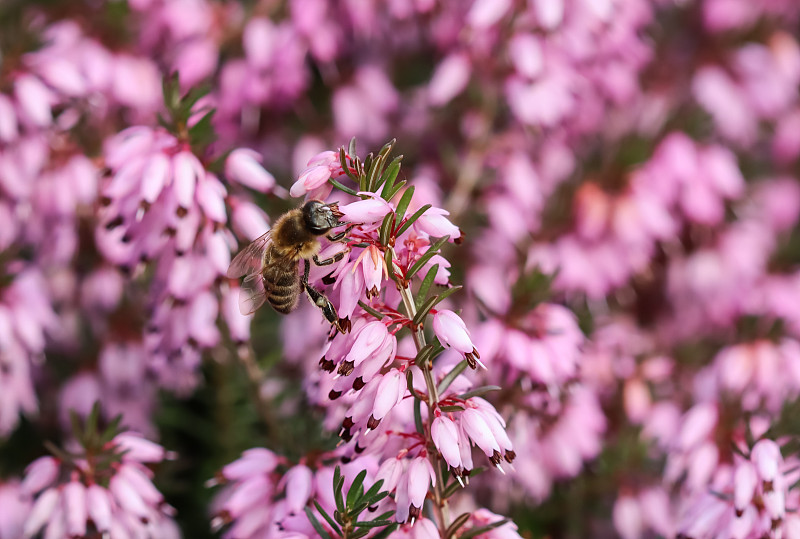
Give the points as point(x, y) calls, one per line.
point(500, 468)
point(217, 523)
point(460, 481)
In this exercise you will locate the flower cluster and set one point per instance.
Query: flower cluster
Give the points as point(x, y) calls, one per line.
point(376, 383)
point(109, 492)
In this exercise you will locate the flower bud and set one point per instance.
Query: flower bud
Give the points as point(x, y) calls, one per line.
point(453, 333)
point(244, 167)
point(444, 432)
point(366, 211)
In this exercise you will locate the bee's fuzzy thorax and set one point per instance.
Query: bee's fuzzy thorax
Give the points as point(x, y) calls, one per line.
point(290, 237)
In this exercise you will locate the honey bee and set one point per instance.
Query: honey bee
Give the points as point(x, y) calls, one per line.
point(269, 263)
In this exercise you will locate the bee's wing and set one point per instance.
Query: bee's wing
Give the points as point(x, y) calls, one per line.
point(252, 295)
point(250, 260)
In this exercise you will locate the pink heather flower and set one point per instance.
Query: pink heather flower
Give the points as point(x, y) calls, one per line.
point(484, 517)
point(420, 476)
point(434, 222)
point(299, 482)
point(449, 79)
point(369, 339)
point(371, 210)
point(16, 507)
point(745, 482)
point(131, 504)
point(258, 499)
point(39, 474)
point(766, 456)
point(527, 54)
point(389, 393)
point(244, 166)
point(453, 333)
point(319, 170)
point(422, 528)
point(444, 433)
point(485, 13)
point(99, 505)
point(476, 427)
point(627, 518)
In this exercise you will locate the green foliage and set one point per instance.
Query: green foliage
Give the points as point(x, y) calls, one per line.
point(344, 522)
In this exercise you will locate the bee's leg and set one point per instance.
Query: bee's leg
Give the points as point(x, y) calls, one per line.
point(338, 236)
point(325, 305)
point(328, 261)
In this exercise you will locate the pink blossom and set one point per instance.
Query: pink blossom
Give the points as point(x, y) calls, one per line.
point(444, 433)
point(243, 166)
point(449, 79)
point(371, 210)
point(453, 333)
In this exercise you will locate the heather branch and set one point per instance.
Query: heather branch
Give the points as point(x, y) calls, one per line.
point(440, 501)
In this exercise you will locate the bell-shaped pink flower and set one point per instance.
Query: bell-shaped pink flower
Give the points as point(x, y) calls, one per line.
point(391, 470)
point(74, 500)
point(42, 511)
point(371, 210)
point(98, 504)
point(244, 167)
point(435, 223)
point(745, 481)
point(252, 462)
point(766, 456)
point(40, 474)
point(187, 172)
point(299, 485)
point(444, 433)
point(420, 476)
point(453, 333)
point(391, 390)
point(369, 340)
point(478, 430)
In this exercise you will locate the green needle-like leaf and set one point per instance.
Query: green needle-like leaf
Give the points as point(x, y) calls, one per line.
point(345, 167)
point(386, 229)
point(370, 310)
point(373, 491)
point(411, 220)
point(396, 189)
point(457, 523)
point(423, 311)
point(317, 526)
point(338, 485)
point(418, 416)
point(450, 376)
point(372, 523)
point(451, 408)
point(402, 205)
point(430, 253)
point(356, 489)
point(332, 523)
point(389, 176)
point(425, 286)
point(478, 391)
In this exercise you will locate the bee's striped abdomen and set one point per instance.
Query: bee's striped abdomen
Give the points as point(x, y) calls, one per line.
point(282, 283)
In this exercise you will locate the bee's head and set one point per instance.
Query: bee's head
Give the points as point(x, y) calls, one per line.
point(320, 217)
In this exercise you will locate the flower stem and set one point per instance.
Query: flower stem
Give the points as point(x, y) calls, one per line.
point(440, 502)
